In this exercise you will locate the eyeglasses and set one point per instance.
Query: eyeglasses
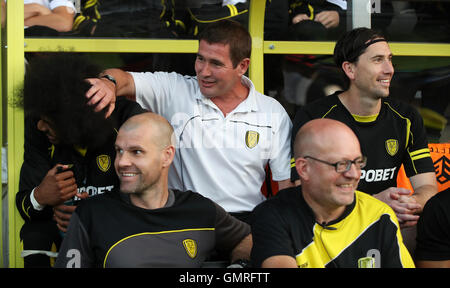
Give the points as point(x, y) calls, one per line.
point(344, 165)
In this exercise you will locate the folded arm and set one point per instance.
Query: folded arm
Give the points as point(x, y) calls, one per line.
point(59, 19)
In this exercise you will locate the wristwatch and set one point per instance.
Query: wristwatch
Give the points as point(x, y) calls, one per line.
point(110, 78)
point(240, 263)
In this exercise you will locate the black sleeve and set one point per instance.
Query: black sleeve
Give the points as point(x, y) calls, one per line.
point(125, 109)
point(433, 229)
point(76, 250)
point(229, 230)
point(214, 12)
point(415, 162)
point(36, 163)
point(270, 234)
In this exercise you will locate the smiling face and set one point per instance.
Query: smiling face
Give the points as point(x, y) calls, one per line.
point(333, 189)
point(138, 161)
point(373, 71)
point(216, 75)
point(324, 188)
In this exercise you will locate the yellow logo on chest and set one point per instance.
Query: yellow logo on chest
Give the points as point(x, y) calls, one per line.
point(391, 146)
point(251, 139)
point(103, 162)
point(191, 247)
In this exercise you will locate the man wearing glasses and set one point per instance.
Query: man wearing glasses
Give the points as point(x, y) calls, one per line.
point(325, 222)
point(391, 133)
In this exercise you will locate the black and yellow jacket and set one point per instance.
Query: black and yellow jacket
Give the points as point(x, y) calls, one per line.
point(93, 169)
point(366, 234)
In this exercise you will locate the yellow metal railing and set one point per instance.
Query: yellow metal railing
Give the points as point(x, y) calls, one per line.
point(16, 46)
point(13, 78)
point(1, 141)
point(111, 45)
point(398, 49)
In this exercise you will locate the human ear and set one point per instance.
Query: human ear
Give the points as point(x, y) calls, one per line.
point(168, 155)
point(302, 168)
point(243, 66)
point(349, 69)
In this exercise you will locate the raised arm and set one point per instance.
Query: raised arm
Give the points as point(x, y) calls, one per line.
point(105, 89)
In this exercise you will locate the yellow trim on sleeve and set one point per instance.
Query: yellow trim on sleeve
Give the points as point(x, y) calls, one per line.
point(215, 20)
point(25, 210)
point(233, 10)
point(292, 162)
point(420, 151)
point(420, 156)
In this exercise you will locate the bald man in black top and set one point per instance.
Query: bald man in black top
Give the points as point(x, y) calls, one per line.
point(146, 224)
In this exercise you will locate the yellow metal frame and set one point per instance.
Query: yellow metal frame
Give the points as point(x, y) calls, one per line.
point(260, 47)
point(17, 45)
point(15, 120)
point(1, 142)
point(111, 45)
point(398, 49)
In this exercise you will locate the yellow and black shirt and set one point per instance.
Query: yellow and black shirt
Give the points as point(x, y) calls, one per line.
point(393, 137)
point(109, 231)
point(367, 234)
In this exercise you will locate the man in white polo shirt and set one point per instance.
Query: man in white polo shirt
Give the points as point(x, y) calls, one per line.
point(226, 131)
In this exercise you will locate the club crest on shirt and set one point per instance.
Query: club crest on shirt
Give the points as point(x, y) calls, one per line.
point(251, 138)
point(391, 146)
point(191, 247)
point(103, 162)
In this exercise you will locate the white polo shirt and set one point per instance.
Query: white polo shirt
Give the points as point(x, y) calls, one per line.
point(222, 158)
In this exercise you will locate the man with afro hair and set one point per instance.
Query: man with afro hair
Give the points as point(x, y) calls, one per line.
point(68, 151)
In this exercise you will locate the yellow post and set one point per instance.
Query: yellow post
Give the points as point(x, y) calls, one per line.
point(1, 145)
point(256, 29)
point(15, 121)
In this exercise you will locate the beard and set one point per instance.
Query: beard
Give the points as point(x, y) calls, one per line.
point(139, 185)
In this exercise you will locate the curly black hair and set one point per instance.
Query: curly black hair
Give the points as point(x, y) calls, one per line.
point(54, 88)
